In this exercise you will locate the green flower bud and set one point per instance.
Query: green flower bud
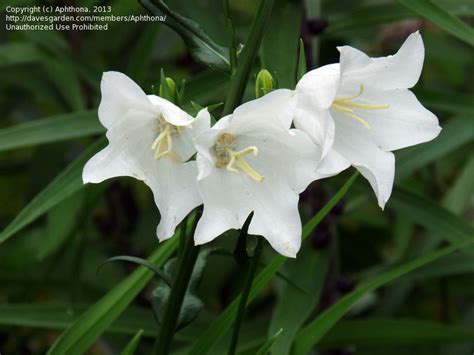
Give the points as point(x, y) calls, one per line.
point(264, 83)
point(169, 92)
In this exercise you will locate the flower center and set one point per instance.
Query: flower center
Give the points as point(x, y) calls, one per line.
point(234, 160)
point(163, 144)
point(345, 106)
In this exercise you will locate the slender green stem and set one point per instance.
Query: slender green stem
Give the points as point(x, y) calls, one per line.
point(252, 269)
point(246, 59)
point(186, 262)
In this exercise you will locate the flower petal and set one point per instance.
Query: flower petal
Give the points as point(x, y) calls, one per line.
point(318, 124)
point(404, 123)
point(332, 164)
point(175, 192)
point(400, 71)
point(287, 160)
point(319, 86)
point(171, 113)
point(276, 107)
point(224, 205)
point(183, 143)
point(120, 94)
point(128, 152)
point(353, 142)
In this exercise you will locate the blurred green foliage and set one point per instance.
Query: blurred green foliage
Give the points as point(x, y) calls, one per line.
point(57, 232)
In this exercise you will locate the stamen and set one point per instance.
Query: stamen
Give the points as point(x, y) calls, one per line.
point(236, 159)
point(163, 144)
point(342, 103)
point(232, 160)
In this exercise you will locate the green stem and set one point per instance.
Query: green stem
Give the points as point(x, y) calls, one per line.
point(246, 59)
point(186, 261)
point(252, 269)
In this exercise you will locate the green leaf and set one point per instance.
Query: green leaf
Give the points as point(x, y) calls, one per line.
point(440, 17)
point(429, 215)
point(454, 135)
point(90, 325)
point(139, 261)
point(312, 333)
point(201, 46)
point(133, 344)
point(60, 317)
point(19, 53)
point(192, 305)
point(309, 272)
point(64, 185)
point(62, 224)
point(365, 16)
point(284, 25)
point(53, 129)
point(370, 332)
point(222, 323)
point(302, 68)
point(455, 102)
point(267, 346)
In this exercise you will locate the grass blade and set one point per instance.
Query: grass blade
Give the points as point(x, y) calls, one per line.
point(64, 185)
point(440, 17)
point(90, 325)
point(54, 129)
point(311, 334)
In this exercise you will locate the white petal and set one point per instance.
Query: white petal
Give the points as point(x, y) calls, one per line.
point(225, 206)
point(129, 150)
point(354, 143)
point(278, 220)
point(289, 157)
point(183, 143)
point(318, 124)
point(277, 107)
point(287, 160)
point(319, 86)
point(108, 163)
point(175, 192)
point(120, 94)
point(204, 141)
point(399, 71)
point(171, 113)
point(333, 163)
point(405, 123)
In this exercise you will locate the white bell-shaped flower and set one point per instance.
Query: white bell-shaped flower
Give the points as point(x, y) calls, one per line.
point(360, 110)
point(252, 161)
point(150, 139)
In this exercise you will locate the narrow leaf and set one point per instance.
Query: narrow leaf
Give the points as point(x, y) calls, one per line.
point(47, 130)
point(63, 186)
point(370, 332)
point(90, 325)
point(312, 333)
point(133, 344)
point(267, 346)
point(201, 46)
point(440, 17)
point(139, 261)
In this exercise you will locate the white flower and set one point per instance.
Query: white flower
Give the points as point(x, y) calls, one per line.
point(360, 110)
point(150, 139)
point(252, 161)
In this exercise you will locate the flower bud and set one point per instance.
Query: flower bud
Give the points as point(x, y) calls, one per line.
point(168, 93)
point(264, 83)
